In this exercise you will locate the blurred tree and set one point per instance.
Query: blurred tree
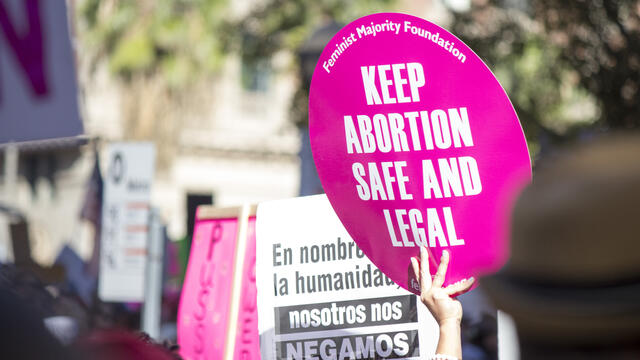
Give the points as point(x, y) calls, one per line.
point(284, 25)
point(161, 51)
point(600, 39)
point(177, 38)
point(566, 65)
point(276, 25)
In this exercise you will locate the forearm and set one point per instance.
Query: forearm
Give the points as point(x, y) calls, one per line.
point(449, 342)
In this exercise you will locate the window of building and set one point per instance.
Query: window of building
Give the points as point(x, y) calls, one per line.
point(193, 201)
point(256, 75)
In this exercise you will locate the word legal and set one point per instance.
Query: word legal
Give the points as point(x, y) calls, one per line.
point(435, 232)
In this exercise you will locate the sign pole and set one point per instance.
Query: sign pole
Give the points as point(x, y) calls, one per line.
point(237, 282)
point(151, 310)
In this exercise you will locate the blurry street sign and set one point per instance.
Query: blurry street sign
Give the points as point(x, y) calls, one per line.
point(38, 93)
point(125, 221)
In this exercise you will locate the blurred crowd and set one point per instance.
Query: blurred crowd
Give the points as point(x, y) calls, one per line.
point(46, 321)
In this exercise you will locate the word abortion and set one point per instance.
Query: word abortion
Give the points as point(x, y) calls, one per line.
point(385, 133)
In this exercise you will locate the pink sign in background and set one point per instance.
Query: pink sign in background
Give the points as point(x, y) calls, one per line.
point(443, 172)
point(203, 314)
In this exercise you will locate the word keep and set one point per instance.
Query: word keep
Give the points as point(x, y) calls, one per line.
point(413, 76)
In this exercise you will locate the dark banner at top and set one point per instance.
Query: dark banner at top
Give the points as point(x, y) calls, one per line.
point(38, 91)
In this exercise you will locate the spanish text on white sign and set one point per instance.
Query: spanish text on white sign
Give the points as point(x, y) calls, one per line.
point(319, 296)
point(125, 221)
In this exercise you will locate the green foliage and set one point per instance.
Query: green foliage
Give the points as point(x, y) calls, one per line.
point(600, 39)
point(285, 24)
point(543, 90)
point(134, 52)
point(176, 39)
point(279, 25)
point(567, 66)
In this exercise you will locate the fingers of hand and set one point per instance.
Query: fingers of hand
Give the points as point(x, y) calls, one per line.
point(416, 269)
point(425, 276)
point(459, 287)
point(438, 279)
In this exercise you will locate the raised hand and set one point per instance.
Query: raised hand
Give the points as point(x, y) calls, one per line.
point(440, 301)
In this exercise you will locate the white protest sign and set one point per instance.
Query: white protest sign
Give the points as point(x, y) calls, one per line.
point(125, 221)
point(38, 92)
point(319, 296)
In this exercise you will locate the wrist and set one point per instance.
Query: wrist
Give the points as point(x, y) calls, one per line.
point(450, 329)
point(450, 324)
point(449, 342)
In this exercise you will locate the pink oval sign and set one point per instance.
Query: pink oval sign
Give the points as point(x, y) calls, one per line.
point(416, 144)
